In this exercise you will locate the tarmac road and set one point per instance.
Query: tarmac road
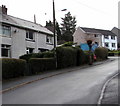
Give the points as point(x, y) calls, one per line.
point(77, 87)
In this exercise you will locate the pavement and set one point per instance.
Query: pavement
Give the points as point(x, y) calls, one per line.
point(18, 82)
point(112, 92)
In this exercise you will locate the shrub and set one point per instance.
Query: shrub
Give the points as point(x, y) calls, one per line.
point(114, 53)
point(66, 56)
point(66, 44)
point(12, 68)
point(41, 64)
point(32, 55)
point(81, 57)
point(48, 54)
point(101, 53)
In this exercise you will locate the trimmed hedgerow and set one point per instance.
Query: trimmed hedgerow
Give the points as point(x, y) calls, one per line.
point(41, 64)
point(101, 53)
point(66, 56)
point(32, 55)
point(81, 56)
point(47, 54)
point(12, 68)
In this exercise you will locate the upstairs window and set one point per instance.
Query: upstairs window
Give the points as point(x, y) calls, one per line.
point(5, 30)
point(106, 37)
point(5, 50)
point(29, 35)
point(96, 35)
point(49, 39)
point(113, 37)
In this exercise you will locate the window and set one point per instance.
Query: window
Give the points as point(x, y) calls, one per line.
point(5, 50)
point(106, 37)
point(96, 35)
point(29, 50)
point(113, 37)
point(106, 44)
point(30, 35)
point(5, 30)
point(49, 39)
point(113, 44)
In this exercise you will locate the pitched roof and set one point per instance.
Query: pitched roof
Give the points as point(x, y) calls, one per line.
point(23, 23)
point(100, 31)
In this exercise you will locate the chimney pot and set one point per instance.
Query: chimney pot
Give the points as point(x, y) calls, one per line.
point(4, 9)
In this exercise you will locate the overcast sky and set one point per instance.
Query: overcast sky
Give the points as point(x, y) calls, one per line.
point(101, 14)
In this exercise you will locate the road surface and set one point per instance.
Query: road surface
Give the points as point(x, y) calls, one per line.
point(77, 87)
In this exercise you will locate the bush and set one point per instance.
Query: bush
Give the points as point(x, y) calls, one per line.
point(114, 53)
point(41, 64)
point(101, 53)
point(81, 56)
point(32, 55)
point(66, 56)
point(48, 54)
point(12, 68)
point(66, 44)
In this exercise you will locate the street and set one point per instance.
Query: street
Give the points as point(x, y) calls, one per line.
point(76, 87)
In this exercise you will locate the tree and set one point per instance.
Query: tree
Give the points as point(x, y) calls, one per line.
point(50, 26)
point(68, 27)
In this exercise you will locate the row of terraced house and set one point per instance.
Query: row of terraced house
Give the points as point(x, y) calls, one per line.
point(19, 36)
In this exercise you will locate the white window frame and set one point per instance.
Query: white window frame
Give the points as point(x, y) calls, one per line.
point(28, 50)
point(96, 36)
point(28, 36)
point(113, 37)
point(6, 47)
point(3, 30)
point(106, 36)
point(114, 45)
point(49, 39)
point(107, 43)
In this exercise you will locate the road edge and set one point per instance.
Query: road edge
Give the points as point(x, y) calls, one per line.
point(104, 88)
point(28, 82)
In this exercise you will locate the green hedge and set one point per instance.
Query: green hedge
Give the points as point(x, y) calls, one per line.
point(66, 56)
point(12, 68)
point(41, 64)
point(81, 56)
point(48, 54)
point(114, 53)
point(101, 53)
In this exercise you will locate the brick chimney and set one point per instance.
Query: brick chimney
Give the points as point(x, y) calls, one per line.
point(4, 9)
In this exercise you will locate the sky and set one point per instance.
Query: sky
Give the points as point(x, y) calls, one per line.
point(100, 14)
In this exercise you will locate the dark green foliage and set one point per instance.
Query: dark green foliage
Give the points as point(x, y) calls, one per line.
point(68, 44)
point(114, 53)
point(70, 56)
point(81, 57)
point(38, 55)
point(101, 53)
point(48, 54)
point(38, 65)
point(32, 55)
point(12, 68)
point(66, 56)
point(88, 55)
point(68, 27)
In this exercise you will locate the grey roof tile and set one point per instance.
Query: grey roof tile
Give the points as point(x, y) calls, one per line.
point(93, 30)
point(24, 23)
